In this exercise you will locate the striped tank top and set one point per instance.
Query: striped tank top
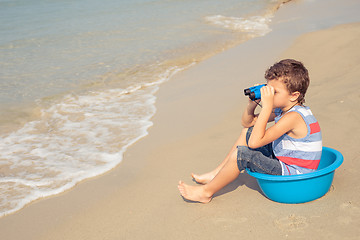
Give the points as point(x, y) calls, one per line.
point(299, 155)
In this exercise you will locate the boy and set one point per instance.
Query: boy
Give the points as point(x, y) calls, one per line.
point(291, 146)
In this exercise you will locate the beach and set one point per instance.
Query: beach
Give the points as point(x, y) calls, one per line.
point(197, 120)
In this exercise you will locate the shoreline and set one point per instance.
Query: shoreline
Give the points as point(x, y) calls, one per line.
point(73, 109)
point(139, 198)
point(25, 108)
point(45, 112)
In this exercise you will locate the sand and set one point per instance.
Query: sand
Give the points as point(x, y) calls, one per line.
point(197, 121)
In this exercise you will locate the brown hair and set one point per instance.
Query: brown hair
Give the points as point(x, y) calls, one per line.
point(293, 74)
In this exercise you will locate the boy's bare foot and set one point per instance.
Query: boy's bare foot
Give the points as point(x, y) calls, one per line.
point(194, 193)
point(203, 178)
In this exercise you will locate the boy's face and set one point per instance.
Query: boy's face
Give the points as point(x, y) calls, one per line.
point(282, 96)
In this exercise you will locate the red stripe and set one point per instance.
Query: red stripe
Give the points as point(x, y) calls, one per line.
point(311, 164)
point(288, 169)
point(314, 128)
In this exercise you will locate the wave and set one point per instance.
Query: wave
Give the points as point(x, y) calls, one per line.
point(77, 137)
point(258, 25)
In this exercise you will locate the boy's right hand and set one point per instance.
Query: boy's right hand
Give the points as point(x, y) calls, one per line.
point(267, 96)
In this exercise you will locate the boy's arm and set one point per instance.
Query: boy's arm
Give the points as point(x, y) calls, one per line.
point(249, 117)
point(260, 136)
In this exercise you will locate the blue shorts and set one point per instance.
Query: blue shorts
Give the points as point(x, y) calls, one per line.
point(260, 159)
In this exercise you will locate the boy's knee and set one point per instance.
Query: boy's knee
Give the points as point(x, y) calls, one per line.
point(233, 156)
point(242, 139)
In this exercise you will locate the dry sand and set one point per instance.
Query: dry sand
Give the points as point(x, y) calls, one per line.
point(197, 121)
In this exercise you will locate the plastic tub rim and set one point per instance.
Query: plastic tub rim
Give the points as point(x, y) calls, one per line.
point(339, 159)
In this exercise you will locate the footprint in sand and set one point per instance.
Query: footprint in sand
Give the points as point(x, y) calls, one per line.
point(344, 220)
point(291, 223)
point(350, 206)
point(351, 213)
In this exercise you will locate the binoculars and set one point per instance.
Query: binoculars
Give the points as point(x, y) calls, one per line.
point(254, 92)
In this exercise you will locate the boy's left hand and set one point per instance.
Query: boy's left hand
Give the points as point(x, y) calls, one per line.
point(267, 96)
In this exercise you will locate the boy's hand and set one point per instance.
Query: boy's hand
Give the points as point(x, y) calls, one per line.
point(267, 96)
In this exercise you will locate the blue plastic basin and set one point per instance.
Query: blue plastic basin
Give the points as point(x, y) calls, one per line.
point(304, 187)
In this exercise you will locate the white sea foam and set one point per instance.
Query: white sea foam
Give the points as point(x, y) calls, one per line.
point(258, 25)
point(76, 138)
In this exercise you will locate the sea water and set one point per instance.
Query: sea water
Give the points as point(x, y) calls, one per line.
point(78, 79)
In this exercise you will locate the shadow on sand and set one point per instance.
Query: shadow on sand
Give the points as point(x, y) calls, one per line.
point(243, 179)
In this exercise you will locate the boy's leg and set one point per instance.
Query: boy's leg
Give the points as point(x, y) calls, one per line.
point(203, 193)
point(207, 177)
point(256, 161)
